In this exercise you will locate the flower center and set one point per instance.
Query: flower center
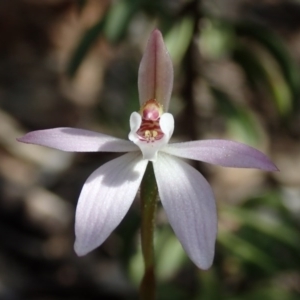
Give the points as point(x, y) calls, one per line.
point(150, 130)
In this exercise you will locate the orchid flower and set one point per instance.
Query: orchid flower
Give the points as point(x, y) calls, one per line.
point(186, 196)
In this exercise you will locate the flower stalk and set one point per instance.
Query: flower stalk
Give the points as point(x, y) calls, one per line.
point(149, 193)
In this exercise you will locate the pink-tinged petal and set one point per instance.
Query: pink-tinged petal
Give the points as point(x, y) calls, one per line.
point(105, 199)
point(155, 79)
point(190, 207)
point(222, 152)
point(77, 140)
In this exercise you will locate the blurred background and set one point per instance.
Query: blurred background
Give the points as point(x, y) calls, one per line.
point(75, 63)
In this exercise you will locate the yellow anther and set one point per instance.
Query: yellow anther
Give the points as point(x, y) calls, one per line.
point(150, 135)
point(147, 133)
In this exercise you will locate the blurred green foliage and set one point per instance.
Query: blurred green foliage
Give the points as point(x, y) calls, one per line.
point(258, 246)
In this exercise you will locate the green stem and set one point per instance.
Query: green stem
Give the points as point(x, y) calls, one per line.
point(149, 194)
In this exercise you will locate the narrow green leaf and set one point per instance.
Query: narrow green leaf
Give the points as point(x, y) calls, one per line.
point(239, 119)
point(114, 25)
point(119, 17)
point(178, 39)
point(262, 75)
point(274, 45)
point(86, 42)
point(247, 251)
point(274, 227)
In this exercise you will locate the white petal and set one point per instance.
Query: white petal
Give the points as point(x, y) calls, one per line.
point(167, 125)
point(222, 152)
point(105, 199)
point(155, 79)
point(77, 140)
point(190, 207)
point(135, 122)
point(150, 149)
